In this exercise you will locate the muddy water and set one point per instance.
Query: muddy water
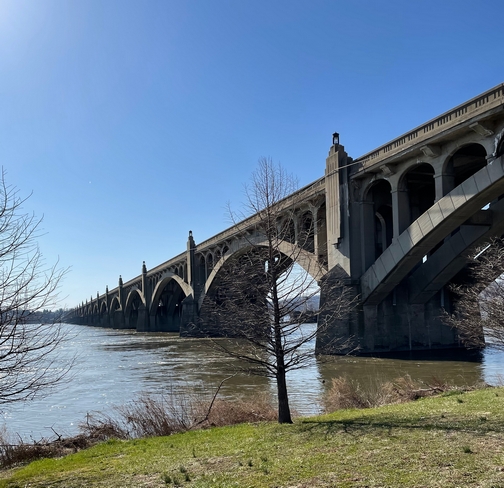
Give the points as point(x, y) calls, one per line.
point(113, 367)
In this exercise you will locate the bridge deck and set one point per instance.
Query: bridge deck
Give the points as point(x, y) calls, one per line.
point(492, 99)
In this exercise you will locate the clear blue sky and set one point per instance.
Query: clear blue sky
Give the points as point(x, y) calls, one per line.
point(133, 122)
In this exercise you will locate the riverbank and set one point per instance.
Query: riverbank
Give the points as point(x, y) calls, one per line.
point(456, 439)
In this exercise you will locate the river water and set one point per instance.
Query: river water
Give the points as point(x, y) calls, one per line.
point(114, 367)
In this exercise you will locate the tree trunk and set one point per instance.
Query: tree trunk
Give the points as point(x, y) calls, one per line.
point(284, 414)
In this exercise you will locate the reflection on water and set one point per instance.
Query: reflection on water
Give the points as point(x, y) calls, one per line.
point(114, 367)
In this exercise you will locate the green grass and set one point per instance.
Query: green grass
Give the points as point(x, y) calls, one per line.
point(438, 442)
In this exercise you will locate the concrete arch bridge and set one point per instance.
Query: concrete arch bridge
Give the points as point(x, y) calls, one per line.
point(398, 222)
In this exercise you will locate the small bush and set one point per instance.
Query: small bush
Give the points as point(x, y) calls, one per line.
point(346, 393)
point(101, 427)
point(160, 416)
point(14, 452)
point(231, 412)
point(343, 394)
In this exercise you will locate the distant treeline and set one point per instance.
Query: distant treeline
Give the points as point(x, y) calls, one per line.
point(42, 317)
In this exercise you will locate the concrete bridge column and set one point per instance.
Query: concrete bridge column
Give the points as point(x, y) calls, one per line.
point(315, 225)
point(335, 159)
point(143, 324)
point(191, 269)
point(367, 234)
point(400, 211)
point(370, 319)
point(321, 235)
point(105, 316)
point(119, 321)
point(189, 313)
point(336, 334)
point(444, 183)
point(143, 319)
point(189, 317)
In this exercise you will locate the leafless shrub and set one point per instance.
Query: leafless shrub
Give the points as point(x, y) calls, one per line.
point(150, 416)
point(14, 451)
point(101, 427)
point(345, 393)
point(231, 412)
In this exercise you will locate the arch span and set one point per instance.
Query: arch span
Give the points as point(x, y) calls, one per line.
point(116, 317)
point(134, 303)
point(166, 305)
point(377, 220)
point(418, 183)
point(308, 261)
point(464, 162)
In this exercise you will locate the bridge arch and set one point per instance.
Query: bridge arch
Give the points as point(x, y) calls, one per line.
point(287, 227)
point(114, 307)
point(103, 318)
point(308, 261)
point(377, 220)
point(462, 163)
point(166, 305)
point(134, 302)
point(306, 237)
point(114, 304)
point(419, 193)
point(209, 264)
point(321, 235)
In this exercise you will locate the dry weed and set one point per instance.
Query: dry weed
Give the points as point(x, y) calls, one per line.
point(231, 412)
point(345, 393)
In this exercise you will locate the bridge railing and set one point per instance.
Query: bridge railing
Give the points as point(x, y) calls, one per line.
point(248, 222)
point(478, 105)
point(161, 267)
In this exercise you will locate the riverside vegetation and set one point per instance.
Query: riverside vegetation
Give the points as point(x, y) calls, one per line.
point(454, 438)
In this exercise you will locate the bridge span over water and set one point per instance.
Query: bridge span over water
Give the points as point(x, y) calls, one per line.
point(399, 222)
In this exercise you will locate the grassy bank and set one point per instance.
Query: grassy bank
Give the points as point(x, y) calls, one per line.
point(456, 439)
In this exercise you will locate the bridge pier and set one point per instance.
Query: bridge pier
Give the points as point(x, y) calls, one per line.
point(341, 335)
point(118, 320)
point(189, 317)
point(393, 326)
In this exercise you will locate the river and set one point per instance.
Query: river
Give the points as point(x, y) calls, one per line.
point(115, 366)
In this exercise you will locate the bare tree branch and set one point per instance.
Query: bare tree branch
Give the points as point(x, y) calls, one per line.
point(478, 313)
point(28, 347)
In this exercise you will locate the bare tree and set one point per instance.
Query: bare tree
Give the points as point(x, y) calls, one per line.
point(260, 295)
point(478, 313)
point(28, 364)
